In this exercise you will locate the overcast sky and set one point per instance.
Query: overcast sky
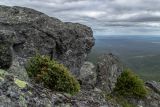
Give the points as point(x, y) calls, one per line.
point(106, 17)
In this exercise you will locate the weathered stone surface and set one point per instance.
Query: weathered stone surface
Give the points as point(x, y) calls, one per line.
point(154, 85)
point(5, 51)
point(87, 75)
point(25, 32)
point(24, 94)
point(93, 99)
point(108, 70)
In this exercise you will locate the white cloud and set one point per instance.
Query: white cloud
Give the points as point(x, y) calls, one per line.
point(92, 14)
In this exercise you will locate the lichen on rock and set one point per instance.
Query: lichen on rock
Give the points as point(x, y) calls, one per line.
point(20, 83)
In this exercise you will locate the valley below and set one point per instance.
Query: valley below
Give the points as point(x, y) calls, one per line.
point(140, 53)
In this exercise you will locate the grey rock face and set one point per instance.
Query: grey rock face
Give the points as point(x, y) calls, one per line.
point(108, 70)
point(87, 75)
point(5, 51)
point(25, 32)
point(154, 85)
point(93, 99)
point(12, 94)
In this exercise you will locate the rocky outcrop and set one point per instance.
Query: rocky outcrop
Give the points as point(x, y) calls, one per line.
point(102, 76)
point(154, 85)
point(25, 32)
point(108, 70)
point(17, 93)
point(87, 75)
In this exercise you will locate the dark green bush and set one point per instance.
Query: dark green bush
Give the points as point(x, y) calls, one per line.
point(52, 74)
point(129, 84)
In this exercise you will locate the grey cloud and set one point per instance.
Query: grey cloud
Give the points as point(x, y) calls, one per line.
point(148, 18)
point(102, 15)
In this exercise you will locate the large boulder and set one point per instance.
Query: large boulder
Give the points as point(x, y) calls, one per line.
point(87, 75)
point(108, 70)
point(25, 32)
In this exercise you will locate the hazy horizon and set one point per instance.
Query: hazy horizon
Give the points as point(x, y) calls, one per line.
point(127, 35)
point(139, 53)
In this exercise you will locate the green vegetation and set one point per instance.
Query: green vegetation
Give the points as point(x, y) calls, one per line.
point(52, 74)
point(129, 84)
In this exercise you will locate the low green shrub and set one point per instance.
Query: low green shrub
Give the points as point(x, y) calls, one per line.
point(129, 84)
point(52, 74)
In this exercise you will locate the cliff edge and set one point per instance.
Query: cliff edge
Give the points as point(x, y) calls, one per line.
point(25, 32)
